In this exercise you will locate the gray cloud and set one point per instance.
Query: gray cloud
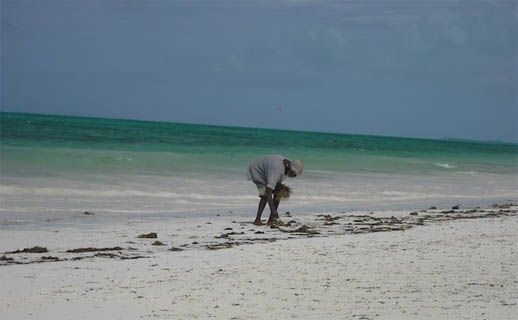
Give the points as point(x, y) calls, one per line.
point(339, 64)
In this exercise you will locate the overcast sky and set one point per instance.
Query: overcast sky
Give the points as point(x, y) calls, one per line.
point(420, 68)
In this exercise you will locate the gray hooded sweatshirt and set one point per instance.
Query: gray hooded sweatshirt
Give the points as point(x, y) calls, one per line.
point(267, 170)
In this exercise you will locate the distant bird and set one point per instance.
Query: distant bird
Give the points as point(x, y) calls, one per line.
point(280, 109)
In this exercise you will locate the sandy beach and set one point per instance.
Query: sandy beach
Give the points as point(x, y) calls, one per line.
point(433, 264)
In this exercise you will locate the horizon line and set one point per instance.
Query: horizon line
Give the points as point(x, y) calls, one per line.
point(447, 139)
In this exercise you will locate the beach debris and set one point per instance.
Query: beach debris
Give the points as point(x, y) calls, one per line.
point(226, 235)
point(506, 205)
point(290, 223)
point(282, 191)
point(330, 220)
point(88, 213)
point(151, 235)
point(228, 228)
point(302, 229)
point(91, 249)
point(6, 258)
point(252, 240)
point(36, 249)
point(332, 223)
point(394, 220)
point(223, 245)
point(455, 207)
point(50, 258)
point(158, 243)
point(106, 255)
point(175, 249)
point(287, 214)
point(113, 255)
point(43, 259)
point(259, 232)
point(448, 211)
point(328, 217)
point(413, 213)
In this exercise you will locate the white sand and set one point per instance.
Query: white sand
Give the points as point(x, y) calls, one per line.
point(462, 269)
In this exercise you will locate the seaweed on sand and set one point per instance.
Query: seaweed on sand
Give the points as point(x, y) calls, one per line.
point(90, 249)
point(151, 235)
point(35, 249)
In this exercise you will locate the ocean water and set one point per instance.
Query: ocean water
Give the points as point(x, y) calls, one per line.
point(59, 165)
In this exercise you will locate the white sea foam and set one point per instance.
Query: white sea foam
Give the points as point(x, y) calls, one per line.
point(445, 165)
point(106, 193)
point(156, 194)
point(471, 173)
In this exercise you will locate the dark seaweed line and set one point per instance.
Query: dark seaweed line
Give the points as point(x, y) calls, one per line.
point(354, 224)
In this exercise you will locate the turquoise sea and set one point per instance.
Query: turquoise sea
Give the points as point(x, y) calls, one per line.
point(60, 164)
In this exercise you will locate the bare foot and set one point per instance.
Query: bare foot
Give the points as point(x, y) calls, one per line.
point(279, 222)
point(258, 223)
point(275, 223)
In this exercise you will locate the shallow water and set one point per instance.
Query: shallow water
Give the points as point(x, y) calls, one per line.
point(54, 166)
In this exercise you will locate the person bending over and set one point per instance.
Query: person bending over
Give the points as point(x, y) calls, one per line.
point(266, 172)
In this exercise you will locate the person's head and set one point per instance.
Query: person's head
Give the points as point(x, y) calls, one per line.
point(293, 168)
